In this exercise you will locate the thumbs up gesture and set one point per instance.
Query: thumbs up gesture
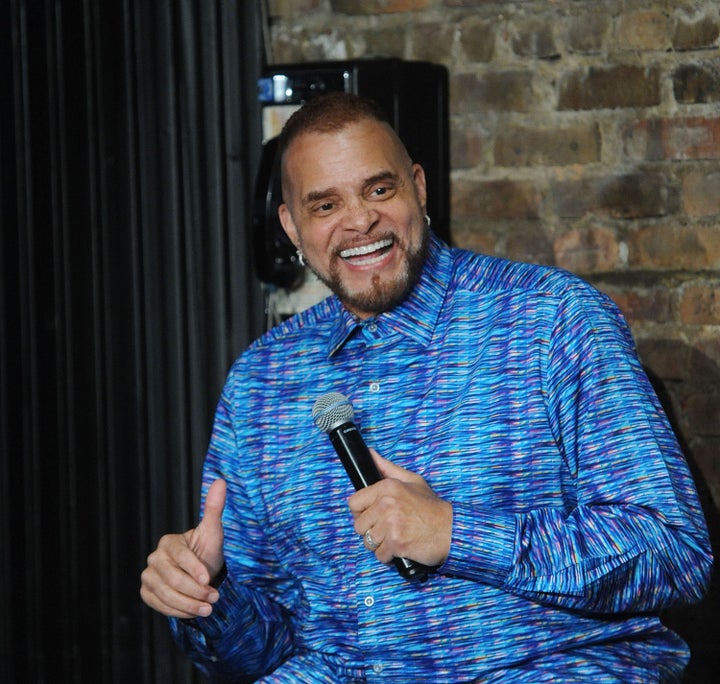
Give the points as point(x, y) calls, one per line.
point(176, 581)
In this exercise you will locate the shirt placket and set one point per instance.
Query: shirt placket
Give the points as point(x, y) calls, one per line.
point(370, 592)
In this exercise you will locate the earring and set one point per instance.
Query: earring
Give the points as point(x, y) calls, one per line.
point(427, 220)
point(300, 258)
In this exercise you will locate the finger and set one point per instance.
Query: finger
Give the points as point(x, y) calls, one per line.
point(178, 566)
point(388, 469)
point(215, 501)
point(362, 499)
point(171, 600)
point(370, 539)
point(188, 557)
point(166, 585)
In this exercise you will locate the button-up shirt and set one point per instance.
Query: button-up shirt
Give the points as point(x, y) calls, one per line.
point(516, 392)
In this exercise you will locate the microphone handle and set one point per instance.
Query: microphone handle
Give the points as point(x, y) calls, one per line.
point(359, 465)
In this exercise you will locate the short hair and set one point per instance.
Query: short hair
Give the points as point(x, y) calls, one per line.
point(328, 113)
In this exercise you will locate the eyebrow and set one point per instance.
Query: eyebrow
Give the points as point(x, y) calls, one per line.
point(382, 176)
point(315, 195)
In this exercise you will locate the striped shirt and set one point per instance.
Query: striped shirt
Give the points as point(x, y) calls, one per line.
point(516, 392)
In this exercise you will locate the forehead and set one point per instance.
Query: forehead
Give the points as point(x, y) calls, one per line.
point(349, 156)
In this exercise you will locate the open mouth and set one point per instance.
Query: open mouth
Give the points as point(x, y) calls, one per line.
point(366, 255)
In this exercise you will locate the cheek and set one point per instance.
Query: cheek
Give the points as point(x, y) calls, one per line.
point(317, 242)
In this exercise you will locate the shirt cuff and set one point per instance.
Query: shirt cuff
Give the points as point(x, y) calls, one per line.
point(483, 544)
point(230, 607)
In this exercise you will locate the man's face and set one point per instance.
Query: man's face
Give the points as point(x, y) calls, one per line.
point(354, 205)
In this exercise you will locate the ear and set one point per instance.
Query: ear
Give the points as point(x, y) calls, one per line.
point(288, 224)
point(420, 184)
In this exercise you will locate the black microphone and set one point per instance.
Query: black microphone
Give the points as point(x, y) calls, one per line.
point(333, 413)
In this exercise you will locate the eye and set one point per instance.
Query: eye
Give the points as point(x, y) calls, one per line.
point(323, 207)
point(382, 192)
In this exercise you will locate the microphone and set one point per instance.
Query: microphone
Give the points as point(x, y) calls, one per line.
point(333, 413)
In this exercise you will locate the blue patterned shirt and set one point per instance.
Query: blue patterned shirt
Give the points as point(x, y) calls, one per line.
point(515, 391)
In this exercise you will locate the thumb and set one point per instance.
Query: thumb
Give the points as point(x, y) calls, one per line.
point(215, 502)
point(206, 540)
point(388, 469)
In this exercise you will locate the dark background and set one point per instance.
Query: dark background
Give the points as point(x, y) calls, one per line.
point(129, 137)
point(129, 140)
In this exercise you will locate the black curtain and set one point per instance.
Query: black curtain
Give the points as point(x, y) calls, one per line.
point(129, 135)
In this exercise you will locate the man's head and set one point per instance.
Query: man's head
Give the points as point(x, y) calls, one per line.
point(354, 202)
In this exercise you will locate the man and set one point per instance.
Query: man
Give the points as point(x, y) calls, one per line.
point(526, 460)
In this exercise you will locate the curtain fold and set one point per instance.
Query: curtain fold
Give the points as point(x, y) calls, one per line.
point(129, 138)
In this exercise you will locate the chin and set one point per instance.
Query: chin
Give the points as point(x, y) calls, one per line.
point(380, 291)
point(380, 296)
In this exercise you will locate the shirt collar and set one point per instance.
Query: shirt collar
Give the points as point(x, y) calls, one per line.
point(417, 315)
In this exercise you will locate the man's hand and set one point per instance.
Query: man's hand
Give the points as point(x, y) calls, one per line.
point(177, 578)
point(404, 516)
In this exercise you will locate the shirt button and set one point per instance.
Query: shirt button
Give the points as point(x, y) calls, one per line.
point(374, 386)
point(372, 327)
point(377, 668)
point(369, 601)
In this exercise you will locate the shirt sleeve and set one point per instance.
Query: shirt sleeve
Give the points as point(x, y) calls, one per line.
point(631, 535)
point(249, 632)
point(242, 636)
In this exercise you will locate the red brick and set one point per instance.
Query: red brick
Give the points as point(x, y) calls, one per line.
point(587, 251)
point(387, 41)
point(500, 199)
point(556, 146)
point(647, 30)
point(642, 304)
point(701, 193)
point(610, 88)
point(700, 304)
point(587, 33)
point(673, 246)
point(494, 91)
point(477, 38)
point(534, 38)
point(630, 196)
point(466, 147)
point(697, 83)
point(529, 241)
point(675, 139)
point(693, 35)
point(431, 42)
point(468, 234)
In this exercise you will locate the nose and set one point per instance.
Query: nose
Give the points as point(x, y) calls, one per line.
point(361, 215)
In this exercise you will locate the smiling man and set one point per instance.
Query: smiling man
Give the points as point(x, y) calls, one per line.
point(525, 461)
point(364, 234)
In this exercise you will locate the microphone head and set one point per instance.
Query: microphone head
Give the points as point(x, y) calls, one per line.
point(331, 410)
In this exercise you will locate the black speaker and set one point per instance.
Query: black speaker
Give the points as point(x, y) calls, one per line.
point(414, 96)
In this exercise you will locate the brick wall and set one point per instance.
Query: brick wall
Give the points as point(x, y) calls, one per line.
point(585, 134)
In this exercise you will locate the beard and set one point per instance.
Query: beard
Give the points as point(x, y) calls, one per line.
point(382, 295)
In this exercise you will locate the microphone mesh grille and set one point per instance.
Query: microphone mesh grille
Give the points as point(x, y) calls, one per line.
point(332, 409)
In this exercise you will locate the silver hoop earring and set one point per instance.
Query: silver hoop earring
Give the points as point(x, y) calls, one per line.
point(300, 258)
point(427, 220)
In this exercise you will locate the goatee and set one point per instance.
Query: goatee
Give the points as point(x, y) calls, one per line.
point(382, 295)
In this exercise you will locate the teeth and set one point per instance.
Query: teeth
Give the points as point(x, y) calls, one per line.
point(366, 249)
